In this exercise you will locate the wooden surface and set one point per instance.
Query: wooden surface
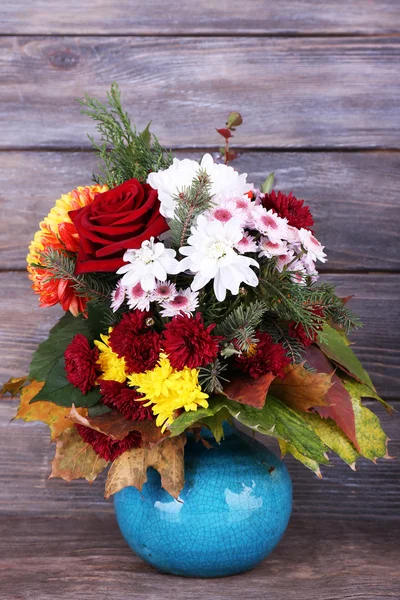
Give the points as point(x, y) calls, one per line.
point(130, 17)
point(292, 92)
point(319, 88)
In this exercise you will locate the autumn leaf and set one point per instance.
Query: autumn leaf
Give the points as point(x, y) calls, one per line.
point(339, 406)
point(372, 440)
point(56, 417)
point(13, 386)
point(302, 389)
point(215, 423)
point(115, 426)
point(75, 459)
point(247, 390)
point(333, 437)
point(130, 469)
point(335, 346)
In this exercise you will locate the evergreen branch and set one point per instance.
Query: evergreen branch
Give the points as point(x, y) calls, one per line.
point(61, 266)
point(241, 324)
point(293, 347)
point(124, 153)
point(210, 377)
point(190, 202)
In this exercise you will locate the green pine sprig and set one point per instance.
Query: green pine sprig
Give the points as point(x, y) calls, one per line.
point(124, 153)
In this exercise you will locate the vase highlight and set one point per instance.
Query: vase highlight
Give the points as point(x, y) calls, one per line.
point(230, 515)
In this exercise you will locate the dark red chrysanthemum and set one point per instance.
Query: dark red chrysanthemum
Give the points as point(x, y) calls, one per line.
point(80, 363)
point(266, 357)
point(104, 446)
point(125, 400)
point(188, 343)
point(297, 330)
point(290, 208)
point(136, 342)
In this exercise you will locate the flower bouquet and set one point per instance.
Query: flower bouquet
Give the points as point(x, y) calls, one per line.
point(192, 304)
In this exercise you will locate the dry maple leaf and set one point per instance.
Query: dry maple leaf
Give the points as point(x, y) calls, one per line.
point(302, 389)
point(56, 417)
point(130, 469)
point(75, 459)
point(13, 386)
point(115, 426)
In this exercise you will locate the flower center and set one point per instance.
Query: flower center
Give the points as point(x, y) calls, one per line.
point(222, 214)
point(218, 250)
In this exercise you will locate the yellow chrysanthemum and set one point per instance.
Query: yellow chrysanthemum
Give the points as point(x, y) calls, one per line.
point(58, 232)
point(109, 362)
point(168, 390)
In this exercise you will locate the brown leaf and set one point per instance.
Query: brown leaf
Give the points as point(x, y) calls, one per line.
point(115, 426)
point(13, 386)
point(340, 407)
point(56, 417)
point(130, 469)
point(75, 459)
point(247, 390)
point(302, 389)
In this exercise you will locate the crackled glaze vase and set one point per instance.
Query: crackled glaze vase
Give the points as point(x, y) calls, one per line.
point(232, 512)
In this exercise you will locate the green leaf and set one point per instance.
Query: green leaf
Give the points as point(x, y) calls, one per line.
point(58, 390)
point(268, 183)
point(282, 422)
point(188, 419)
point(96, 320)
point(215, 423)
point(370, 435)
point(334, 346)
point(308, 462)
point(234, 120)
point(51, 350)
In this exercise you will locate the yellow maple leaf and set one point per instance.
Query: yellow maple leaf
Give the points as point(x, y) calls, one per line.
point(300, 388)
point(56, 417)
point(13, 386)
point(130, 469)
point(75, 458)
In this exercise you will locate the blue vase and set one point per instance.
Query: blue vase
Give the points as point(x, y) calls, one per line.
point(232, 512)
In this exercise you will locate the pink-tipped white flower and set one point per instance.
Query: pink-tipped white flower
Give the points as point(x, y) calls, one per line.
point(184, 302)
point(117, 296)
point(284, 260)
point(311, 245)
point(246, 244)
point(164, 291)
point(211, 255)
point(270, 249)
point(225, 209)
point(269, 224)
point(152, 262)
point(138, 298)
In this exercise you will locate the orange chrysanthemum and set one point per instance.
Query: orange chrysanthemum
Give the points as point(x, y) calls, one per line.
point(58, 232)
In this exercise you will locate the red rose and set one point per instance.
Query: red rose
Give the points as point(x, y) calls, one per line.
point(116, 221)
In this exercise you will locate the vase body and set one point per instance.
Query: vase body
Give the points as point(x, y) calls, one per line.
point(232, 512)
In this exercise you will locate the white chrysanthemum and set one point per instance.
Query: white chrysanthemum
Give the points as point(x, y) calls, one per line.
point(184, 302)
point(311, 245)
point(164, 291)
point(147, 264)
point(211, 255)
point(225, 181)
point(225, 209)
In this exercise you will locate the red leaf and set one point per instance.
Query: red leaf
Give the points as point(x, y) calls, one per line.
point(225, 133)
point(247, 390)
point(340, 407)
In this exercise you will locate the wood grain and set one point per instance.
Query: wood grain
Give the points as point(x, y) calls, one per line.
point(298, 93)
point(130, 17)
point(59, 540)
point(24, 325)
point(354, 198)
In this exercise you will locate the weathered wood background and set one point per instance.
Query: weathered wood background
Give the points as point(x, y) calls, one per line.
point(318, 84)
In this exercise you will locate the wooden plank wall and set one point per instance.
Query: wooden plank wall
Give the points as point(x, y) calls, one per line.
point(319, 89)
